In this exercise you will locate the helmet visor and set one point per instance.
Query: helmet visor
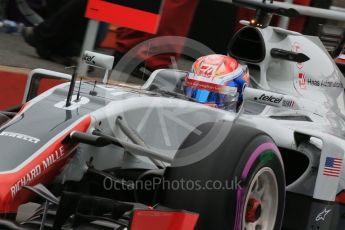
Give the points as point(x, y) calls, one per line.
point(220, 96)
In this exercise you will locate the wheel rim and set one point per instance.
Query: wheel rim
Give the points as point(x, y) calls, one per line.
point(261, 203)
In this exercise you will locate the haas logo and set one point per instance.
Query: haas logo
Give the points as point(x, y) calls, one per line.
point(207, 70)
point(89, 59)
point(302, 81)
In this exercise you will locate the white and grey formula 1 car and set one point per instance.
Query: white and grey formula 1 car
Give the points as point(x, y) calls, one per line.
point(115, 156)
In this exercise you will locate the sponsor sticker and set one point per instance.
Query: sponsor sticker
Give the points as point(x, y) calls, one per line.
point(302, 81)
point(288, 103)
point(89, 59)
point(37, 170)
point(272, 99)
point(322, 215)
point(207, 70)
point(21, 137)
point(223, 89)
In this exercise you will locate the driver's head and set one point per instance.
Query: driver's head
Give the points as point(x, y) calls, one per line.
point(217, 81)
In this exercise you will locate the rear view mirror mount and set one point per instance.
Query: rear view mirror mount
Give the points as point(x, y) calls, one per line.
point(35, 78)
point(101, 61)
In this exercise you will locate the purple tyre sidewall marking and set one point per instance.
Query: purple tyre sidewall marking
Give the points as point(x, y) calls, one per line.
point(242, 192)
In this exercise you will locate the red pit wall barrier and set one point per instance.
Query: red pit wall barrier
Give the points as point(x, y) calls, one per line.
point(12, 86)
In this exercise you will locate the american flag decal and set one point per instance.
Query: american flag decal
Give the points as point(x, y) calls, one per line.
point(333, 166)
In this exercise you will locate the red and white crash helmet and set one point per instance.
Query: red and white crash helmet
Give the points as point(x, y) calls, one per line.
point(218, 81)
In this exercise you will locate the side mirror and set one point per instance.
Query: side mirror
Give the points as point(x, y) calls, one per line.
point(98, 60)
point(166, 79)
point(40, 80)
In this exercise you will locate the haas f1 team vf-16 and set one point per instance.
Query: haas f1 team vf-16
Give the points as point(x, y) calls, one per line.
point(280, 156)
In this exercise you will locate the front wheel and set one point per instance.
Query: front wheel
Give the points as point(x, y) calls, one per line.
point(247, 156)
point(261, 200)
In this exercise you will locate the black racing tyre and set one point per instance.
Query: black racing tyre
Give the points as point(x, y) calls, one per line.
point(247, 164)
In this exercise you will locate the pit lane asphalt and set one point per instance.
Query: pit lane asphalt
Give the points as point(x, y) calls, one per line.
point(14, 52)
